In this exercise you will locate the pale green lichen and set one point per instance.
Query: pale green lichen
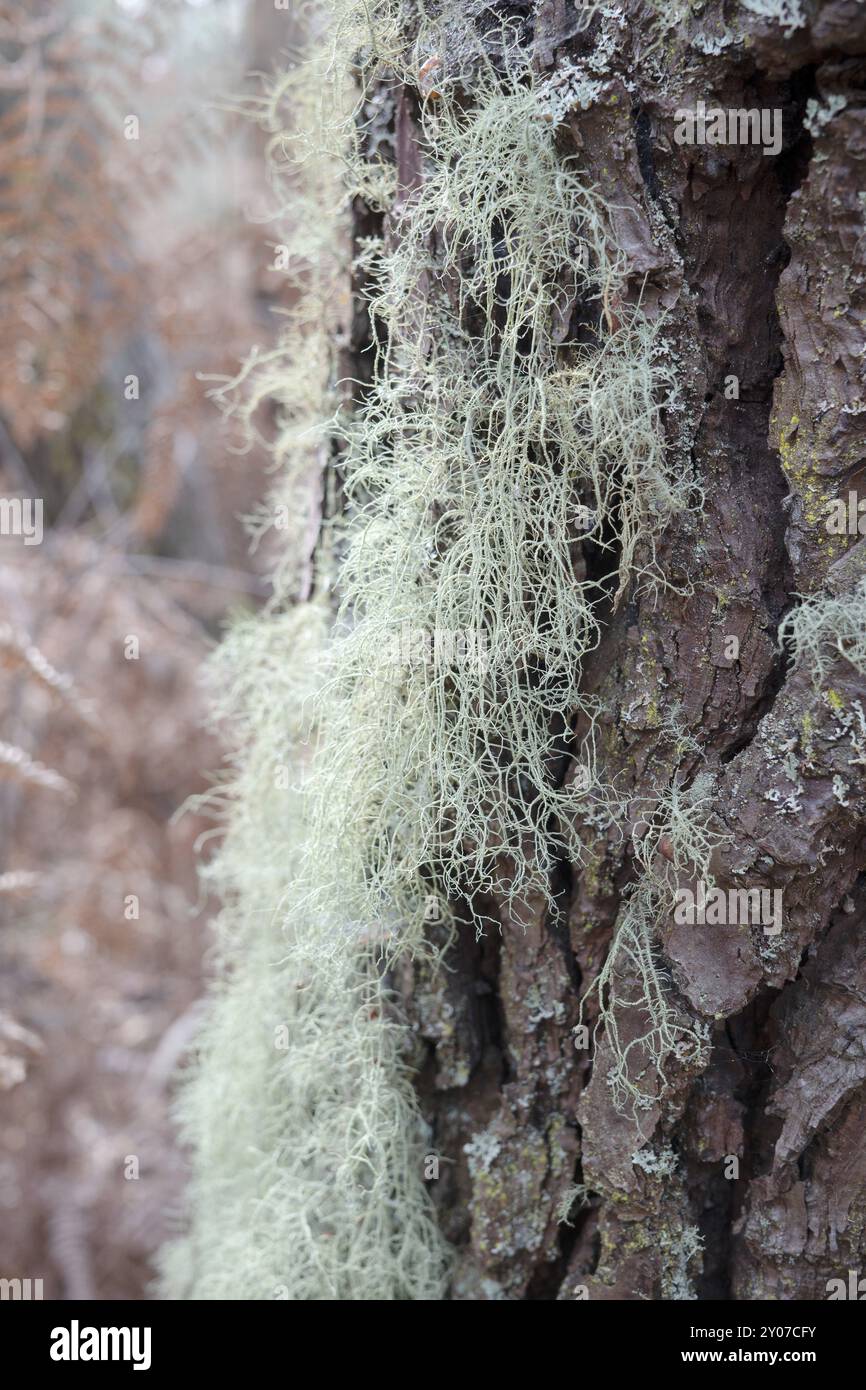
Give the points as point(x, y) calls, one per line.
point(825, 627)
point(307, 1147)
point(789, 14)
point(486, 446)
point(481, 441)
point(645, 1029)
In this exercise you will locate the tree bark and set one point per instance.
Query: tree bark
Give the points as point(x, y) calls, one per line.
point(758, 263)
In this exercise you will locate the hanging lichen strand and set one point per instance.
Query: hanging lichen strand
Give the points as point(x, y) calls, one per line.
point(483, 453)
point(298, 1110)
point(631, 982)
point(489, 443)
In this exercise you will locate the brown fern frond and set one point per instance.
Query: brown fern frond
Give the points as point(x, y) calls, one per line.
point(17, 881)
point(18, 1047)
point(17, 653)
point(69, 185)
point(18, 766)
point(64, 272)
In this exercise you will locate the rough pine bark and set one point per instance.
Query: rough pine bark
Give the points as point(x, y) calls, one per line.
point(758, 263)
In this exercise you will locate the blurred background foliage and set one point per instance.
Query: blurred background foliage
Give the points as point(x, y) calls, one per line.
point(129, 267)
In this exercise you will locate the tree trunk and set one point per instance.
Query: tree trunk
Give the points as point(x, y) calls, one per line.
point(743, 1176)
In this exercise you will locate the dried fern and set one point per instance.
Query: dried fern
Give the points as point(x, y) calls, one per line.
point(17, 653)
point(17, 766)
point(18, 881)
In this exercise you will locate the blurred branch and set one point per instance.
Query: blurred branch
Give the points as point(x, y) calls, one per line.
point(12, 456)
point(197, 572)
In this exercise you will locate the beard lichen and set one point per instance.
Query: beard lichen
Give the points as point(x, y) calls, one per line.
point(824, 627)
point(633, 987)
point(510, 417)
point(490, 445)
